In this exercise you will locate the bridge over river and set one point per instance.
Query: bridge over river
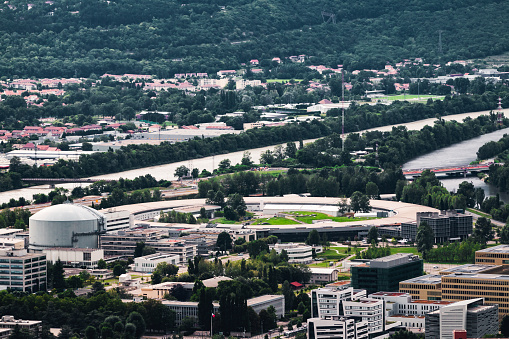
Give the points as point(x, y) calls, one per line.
point(449, 170)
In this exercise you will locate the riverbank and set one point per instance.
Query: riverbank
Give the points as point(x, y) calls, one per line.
point(166, 172)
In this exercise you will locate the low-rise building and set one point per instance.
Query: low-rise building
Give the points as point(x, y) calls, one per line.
point(297, 253)
point(76, 257)
point(185, 309)
point(148, 263)
point(322, 275)
point(8, 321)
point(265, 301)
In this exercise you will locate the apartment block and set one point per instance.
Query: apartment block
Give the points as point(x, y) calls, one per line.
point(22, 271)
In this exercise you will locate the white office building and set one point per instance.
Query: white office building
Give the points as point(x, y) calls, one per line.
point(118, 220)
point(148, 263)
point(369, 310)
point(336, 328)
point(265, 301)
point(297, 253)
point(76, 257)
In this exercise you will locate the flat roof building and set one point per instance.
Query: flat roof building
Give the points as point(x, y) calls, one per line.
point(446, 226)
point(297, 253)
point(426, 287)
point(148, 263)
point(76, 257)
point(22, 271)
point(321, 275)
point(384, 274)
point(472, 315)
point(497, 255)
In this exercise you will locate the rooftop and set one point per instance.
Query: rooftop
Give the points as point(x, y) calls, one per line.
point(425, 279)
point(502, 277)
point(322, 270)
point(469, 268)
point(388, 294)
point(264, 298)
point(496, 249)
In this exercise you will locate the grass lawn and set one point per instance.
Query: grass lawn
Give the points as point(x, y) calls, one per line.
point(479, 213)
point(342, 249)
point(308, 217)
point(320, 264)
point(331, 255)
point(283, 80)
point(412, 250)
point(275, 221)
point(225, 221)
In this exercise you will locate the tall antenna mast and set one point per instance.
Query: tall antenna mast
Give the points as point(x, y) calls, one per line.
point(499, 116)
point(342, 109)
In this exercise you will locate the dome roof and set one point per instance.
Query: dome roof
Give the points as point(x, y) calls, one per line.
point(67, 212)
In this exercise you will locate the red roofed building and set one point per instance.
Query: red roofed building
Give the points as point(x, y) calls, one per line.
point(296, 285)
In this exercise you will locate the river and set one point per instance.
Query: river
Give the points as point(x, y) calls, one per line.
point(457, 155)
point(167, 171)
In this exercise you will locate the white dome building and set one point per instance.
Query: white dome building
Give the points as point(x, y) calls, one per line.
point(66, 225)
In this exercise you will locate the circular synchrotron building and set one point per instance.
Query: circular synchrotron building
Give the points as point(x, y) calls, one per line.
point(66, 225)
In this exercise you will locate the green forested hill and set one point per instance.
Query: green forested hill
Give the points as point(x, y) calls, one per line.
point(71, 37)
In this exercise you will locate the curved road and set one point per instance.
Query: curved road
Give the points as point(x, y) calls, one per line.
point(167, 171)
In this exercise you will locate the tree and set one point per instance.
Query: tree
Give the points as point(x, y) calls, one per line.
point(58, 275)
point(372, 190)
point(288, 294)
point(343, 206)
point(224, 241)
point(118, 270)
point(91, 332)
point(178, 291)
point(138, 250)
point(138, 321)
point(425, 238)
point(86, 146)
point(237, 204)
point(504, 326)
point(359, 202)
point(181, 172)
point(195, 173)
point(313, 238)
point(483, 231)
point(101, 264)
point(479, 197)
point(224, 164)
point(503, 233)
point(246, 159)
point(373, 235)
point(291, 150)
